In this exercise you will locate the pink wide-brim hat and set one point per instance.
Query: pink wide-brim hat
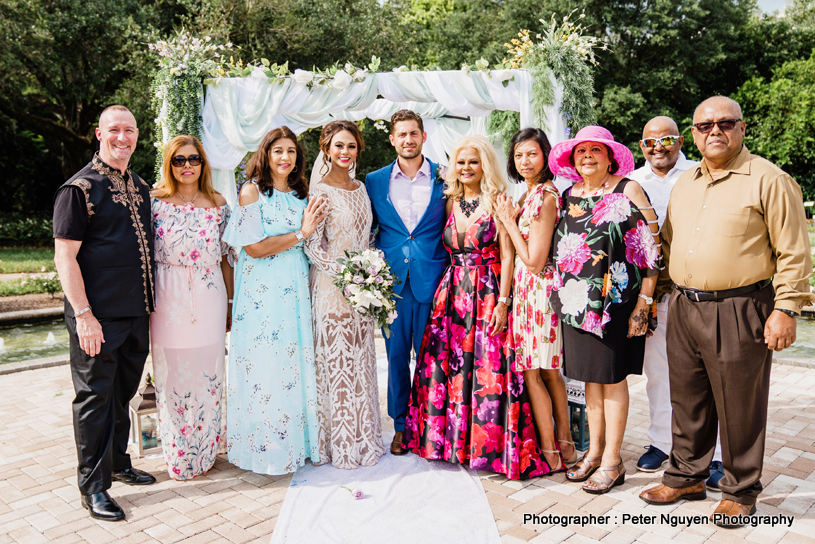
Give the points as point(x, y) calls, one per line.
point(559, 156)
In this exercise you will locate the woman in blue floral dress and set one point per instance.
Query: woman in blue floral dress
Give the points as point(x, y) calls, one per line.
point(607, 263)
point(272, 399)
point(187, 330)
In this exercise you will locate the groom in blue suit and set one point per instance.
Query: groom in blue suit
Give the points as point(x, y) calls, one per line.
point(408, 205)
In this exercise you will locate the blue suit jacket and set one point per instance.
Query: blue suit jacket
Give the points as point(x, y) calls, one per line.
point(421, 252)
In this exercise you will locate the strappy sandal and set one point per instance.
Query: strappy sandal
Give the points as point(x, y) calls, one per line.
point(553, 470)
point(603, 481)
point(573, 457)
point(583, 469)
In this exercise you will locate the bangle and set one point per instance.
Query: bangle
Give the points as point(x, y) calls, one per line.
point(82, 311)
point(646, 298)
point(230, 301)
point(299, 235)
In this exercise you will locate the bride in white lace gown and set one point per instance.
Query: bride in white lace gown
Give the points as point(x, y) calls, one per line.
point(350, 427)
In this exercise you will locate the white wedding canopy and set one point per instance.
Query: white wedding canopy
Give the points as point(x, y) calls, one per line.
point(238, 112)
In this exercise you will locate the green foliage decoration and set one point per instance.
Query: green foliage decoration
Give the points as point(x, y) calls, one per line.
point(177, 90)
point(564, 51)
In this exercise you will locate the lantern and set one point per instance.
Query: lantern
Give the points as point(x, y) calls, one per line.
point(144, 432)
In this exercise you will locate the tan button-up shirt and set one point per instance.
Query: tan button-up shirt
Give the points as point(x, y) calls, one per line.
point(738, 227)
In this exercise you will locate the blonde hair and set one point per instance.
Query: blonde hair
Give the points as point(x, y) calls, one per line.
point(493, 182)
point(168, 185)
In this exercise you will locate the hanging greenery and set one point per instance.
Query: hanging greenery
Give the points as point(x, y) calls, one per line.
point(177, 90)
point(564, 52)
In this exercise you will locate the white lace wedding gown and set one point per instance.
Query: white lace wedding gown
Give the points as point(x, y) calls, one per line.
point(350, 427)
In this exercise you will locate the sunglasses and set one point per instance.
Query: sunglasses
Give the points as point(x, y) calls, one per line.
point(180, 160)
point(724, 125)
point(665, 141)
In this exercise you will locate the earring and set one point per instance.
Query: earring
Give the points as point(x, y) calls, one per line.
point(609, 169)
point(294, 169)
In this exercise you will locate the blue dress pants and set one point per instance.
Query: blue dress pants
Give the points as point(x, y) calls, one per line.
point(406, 332)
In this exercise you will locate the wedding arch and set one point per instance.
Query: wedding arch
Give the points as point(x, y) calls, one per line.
point(231, 106)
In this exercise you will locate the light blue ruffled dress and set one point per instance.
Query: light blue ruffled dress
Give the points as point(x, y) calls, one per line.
point(271, 405)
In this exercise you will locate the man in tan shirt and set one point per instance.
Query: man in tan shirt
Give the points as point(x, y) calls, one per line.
point(737, 250)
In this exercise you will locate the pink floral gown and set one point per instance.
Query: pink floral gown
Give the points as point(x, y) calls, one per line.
point(535, 327)
point(187, 332)
point(467, 405)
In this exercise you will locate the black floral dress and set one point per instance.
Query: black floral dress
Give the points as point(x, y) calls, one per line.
point(603, 248)
point(467, 405)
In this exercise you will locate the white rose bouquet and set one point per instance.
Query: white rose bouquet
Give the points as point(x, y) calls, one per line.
point(367, 283)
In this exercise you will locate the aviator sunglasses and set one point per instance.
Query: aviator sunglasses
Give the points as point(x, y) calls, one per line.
point(724, 125)
point(665, 141)
point(179, 160)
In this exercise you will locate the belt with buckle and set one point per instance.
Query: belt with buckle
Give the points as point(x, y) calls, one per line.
point(695, 295)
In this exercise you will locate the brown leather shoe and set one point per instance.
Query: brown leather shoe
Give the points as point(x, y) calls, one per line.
point(729, 514)
point(396, 444)
point(662, 494)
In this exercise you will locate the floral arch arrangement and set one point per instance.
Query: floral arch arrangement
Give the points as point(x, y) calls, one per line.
point(201, 90)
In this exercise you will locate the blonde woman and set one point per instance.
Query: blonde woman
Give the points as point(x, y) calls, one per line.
point(188, 327)
point(467, 405)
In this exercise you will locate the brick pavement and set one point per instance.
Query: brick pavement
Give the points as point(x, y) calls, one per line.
point(39, 501)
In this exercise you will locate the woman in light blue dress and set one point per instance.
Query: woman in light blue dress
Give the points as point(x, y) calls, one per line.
point(272, 399)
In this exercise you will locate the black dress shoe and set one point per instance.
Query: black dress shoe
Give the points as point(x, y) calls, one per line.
point(101, 506)
point(133, 476)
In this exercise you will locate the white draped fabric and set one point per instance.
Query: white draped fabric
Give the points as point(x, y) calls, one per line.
point(238, 112)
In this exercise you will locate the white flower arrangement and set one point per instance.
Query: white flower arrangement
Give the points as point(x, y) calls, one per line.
point(366, 282)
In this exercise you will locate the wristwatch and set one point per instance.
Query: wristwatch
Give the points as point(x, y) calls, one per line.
point(505, 300)
point(646, 298)
point(299, 235)
point(84, 310)
point(788, 312)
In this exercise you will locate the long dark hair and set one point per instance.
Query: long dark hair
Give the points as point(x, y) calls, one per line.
point(334, 127)
point(260, 165)
point(520, 137)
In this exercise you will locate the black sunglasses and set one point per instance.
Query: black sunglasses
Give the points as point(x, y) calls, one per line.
point(179, 160)
point(724, 125)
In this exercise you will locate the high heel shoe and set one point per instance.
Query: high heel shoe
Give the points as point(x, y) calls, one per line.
point(554, 470)
point(573, 457)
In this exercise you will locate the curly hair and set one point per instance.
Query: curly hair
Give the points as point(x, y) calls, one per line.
point(522, 136)
point(492, 180)
point(335, 127)
point(168, 184)
point(260, 165)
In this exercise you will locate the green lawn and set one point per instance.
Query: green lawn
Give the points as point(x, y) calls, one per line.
point(14, 261)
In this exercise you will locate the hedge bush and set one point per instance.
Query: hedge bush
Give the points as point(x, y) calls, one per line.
point(26, 230)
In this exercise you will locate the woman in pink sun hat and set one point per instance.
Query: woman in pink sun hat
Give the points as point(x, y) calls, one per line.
point(606, 253)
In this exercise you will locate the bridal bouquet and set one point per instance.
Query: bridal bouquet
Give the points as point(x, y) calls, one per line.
point(367, 282)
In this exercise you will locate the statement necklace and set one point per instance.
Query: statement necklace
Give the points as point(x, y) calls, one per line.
point(467, 208)
point(284, 189)
point(191, 202)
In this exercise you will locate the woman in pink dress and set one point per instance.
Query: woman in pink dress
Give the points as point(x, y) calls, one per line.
point(535, 327)
point(188, 328)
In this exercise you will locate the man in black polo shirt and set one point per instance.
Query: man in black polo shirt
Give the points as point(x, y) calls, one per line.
point(104, 257)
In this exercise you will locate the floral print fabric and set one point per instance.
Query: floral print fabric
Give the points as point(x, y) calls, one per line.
point(603, 249)
point(187, 334)
point(535, 327)
point(467, 405)
point(272, 395)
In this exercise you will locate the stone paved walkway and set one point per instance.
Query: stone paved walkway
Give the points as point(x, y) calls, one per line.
point(39, 501)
